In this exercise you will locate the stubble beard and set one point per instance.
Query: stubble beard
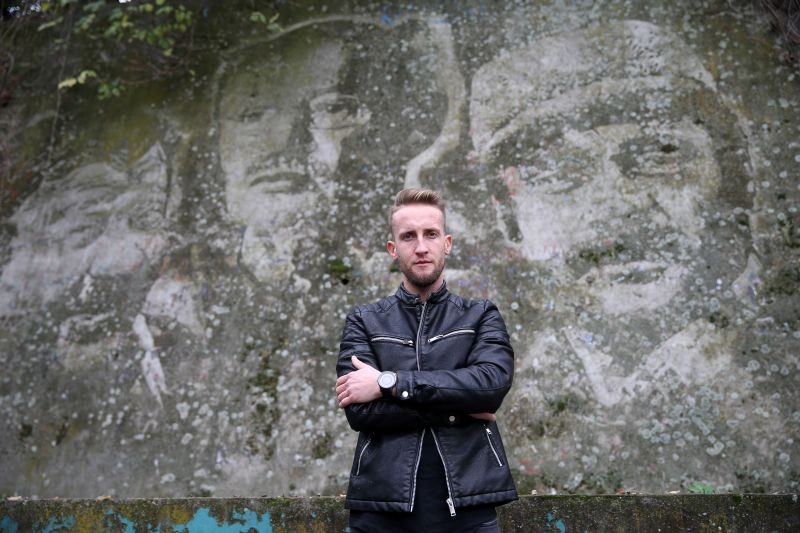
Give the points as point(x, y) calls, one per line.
point(424, 281)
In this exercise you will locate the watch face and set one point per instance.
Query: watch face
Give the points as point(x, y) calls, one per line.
point(387, 380)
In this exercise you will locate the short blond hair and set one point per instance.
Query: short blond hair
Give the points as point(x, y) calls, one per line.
point(416, 196)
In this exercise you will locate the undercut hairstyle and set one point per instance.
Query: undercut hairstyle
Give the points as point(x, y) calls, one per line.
point(416, 196)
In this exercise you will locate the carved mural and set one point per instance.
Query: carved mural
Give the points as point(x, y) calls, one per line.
point(621, 180)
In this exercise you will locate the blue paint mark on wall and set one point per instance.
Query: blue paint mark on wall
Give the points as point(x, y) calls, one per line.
point(56, 524)
point(8, 525)
point(559, 524)
point(240, 523)
point(251, 520)
point(130, 527)
point(386, 18)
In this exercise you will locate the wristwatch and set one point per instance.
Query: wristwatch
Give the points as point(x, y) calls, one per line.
point(386, 381)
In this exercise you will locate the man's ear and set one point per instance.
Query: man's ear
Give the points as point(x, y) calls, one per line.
point(448, 244)
point(392, 249)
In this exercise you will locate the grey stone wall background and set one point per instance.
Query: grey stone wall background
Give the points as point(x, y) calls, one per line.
point(621, 180)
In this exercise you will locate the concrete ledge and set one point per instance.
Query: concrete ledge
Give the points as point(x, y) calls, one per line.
point(631, 513)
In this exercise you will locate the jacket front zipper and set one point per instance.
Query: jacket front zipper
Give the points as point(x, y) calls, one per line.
point(422, 437)
point(416, 467)
point(494, 451)
point(419, 330)
point(360, 455)
point(449, 500)
point(384, 338)
point(451, 334)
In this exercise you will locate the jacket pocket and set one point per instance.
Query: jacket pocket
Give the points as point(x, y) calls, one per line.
point(361, 453)
point(489, 435)
point(455, 332)
point(393, 340)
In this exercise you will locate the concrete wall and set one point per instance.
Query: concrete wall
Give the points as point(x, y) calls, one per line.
point(729, 513)
point(622, 180)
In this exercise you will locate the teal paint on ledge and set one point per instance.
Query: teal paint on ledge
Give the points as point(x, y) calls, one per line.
point(8, 525)
point(240, 523)
point(559, 524)
point(130, 527)
point(56, 524)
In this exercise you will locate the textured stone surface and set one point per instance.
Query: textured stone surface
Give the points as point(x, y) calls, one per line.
point(749, 513)
point(622, 180)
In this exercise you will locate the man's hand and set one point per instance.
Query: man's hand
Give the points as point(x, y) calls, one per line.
point(486, 417)
point(359, 386)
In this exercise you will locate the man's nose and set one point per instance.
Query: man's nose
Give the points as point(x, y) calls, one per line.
point(421, 247)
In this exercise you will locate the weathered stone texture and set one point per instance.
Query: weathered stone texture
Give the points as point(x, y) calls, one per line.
point(732, 513)
point(622, 180)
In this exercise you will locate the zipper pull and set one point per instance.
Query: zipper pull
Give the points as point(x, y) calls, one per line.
point(489, 431)
point(451, 506)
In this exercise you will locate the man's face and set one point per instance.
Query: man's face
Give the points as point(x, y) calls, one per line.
point(280, 148)
point(420, 245)
point(614, 173)
point(97, 221)
point(620, 170)
point(620, 184)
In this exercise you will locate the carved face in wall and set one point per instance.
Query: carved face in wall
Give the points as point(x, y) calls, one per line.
point(97, 221)
point(614, 174)
point(283, 123)
point(310, 122)
point(319, 128)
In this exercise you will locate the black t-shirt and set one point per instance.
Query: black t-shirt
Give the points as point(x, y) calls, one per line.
point(431, 513)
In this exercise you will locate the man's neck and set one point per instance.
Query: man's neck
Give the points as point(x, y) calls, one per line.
point(423, 293)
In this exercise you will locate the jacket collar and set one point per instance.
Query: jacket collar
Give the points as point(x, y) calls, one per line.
point(406, 297)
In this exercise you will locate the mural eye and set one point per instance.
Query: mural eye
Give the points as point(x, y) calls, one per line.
point(251, 115)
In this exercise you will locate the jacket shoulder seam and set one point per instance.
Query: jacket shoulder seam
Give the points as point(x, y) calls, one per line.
point(379, 306)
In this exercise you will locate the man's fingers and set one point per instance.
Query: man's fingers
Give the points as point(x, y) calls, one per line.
point(341, 391)
point(488, 417)
point(344, 400)
point(358, 386)
point(341, 395)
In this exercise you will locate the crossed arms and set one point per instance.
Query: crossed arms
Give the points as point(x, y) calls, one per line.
point(433, 397)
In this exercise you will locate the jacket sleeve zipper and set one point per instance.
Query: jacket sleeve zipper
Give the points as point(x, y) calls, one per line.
point(360, 455)
point(494, 451)
point(450, 334)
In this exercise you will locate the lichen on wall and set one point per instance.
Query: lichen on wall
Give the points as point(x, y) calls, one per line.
point(621, 179)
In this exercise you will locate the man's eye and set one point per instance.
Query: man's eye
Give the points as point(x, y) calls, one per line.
point(432, 234)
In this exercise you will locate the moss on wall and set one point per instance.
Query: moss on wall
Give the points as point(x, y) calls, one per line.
point(632, 513)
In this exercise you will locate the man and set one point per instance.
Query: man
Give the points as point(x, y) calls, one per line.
point(420, 375)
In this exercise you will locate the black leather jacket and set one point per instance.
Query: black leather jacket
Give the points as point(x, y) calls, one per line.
point(452, 357)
